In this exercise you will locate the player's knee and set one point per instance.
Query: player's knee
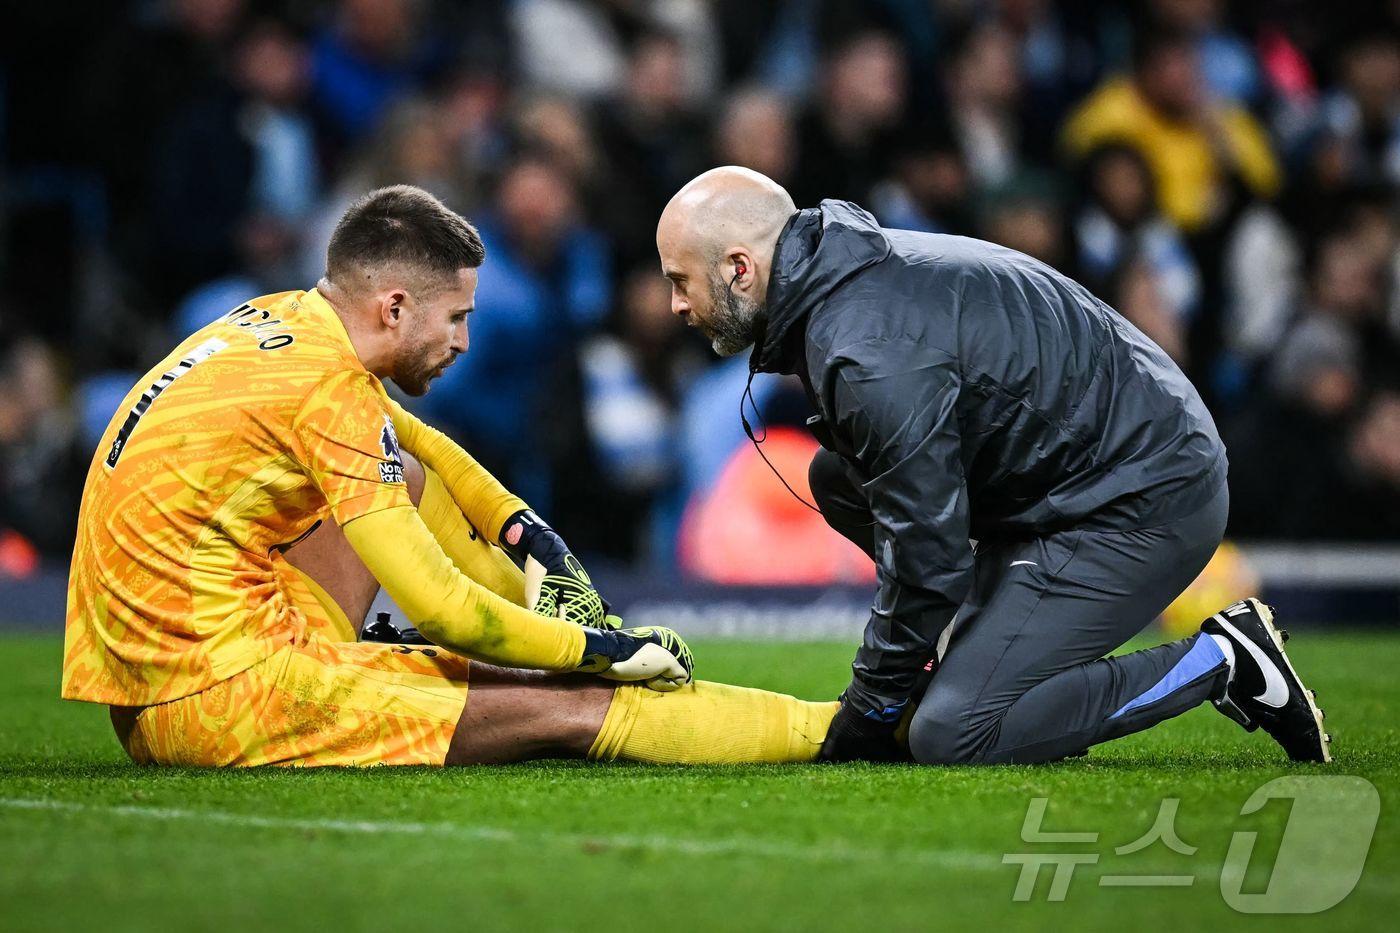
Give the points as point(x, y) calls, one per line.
point(938, 734)
point(413, 475)
point(826, 476)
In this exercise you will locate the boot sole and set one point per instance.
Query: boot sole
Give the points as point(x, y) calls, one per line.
point(1266, 615)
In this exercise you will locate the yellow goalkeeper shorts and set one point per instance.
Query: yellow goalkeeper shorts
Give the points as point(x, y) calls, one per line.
point(318, 702)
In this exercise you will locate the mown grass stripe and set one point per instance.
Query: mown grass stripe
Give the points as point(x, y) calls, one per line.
point(758, 848)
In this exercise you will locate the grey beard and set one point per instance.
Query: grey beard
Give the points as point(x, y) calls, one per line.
point(734, 319)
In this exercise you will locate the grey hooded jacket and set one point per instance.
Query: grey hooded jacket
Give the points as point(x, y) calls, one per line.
point(976, 393)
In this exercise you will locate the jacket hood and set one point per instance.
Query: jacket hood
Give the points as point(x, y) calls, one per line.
point(820, 248)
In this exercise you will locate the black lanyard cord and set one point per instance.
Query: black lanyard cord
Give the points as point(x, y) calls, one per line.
point(758, 441)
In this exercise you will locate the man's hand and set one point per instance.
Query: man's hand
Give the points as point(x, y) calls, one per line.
point(656, 656)
point(555, 582)
point(864, 728)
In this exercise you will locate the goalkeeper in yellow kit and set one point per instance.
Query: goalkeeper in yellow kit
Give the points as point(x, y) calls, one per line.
point(257, 487)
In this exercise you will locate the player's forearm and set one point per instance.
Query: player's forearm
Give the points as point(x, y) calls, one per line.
point(481, 497)
point(449, 608)
point(900, 638)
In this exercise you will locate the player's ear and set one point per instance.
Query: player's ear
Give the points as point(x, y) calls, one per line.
point(391, 307)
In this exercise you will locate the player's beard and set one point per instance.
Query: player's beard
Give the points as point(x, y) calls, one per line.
point(733, 322)
point(418, 367)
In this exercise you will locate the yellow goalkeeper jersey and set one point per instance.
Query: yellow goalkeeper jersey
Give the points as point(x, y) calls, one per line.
point(237, 444)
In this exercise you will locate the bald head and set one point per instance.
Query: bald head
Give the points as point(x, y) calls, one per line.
point(716, 239)
point(726, 205)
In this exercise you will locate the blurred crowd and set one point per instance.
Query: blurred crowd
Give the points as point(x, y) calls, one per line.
point(1225, 174)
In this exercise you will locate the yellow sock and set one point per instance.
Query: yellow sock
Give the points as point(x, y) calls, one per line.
point(706, 723)
point(465, 546)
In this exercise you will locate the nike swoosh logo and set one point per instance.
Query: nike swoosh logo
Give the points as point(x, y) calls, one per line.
point(1275, 687)
point(1017, 563)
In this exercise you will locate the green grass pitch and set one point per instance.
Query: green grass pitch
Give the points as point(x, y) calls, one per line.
point(88, 841)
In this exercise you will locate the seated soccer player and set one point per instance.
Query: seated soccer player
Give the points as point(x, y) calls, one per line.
point(258, 485)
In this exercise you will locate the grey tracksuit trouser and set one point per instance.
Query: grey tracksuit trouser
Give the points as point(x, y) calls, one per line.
point(1024, 677)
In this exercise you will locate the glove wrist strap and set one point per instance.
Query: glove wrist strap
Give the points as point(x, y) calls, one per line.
point(519, 532)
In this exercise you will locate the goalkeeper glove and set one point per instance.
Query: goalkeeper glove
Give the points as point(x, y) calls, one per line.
point(864, 728)
point(555, 582)
point(656, 656)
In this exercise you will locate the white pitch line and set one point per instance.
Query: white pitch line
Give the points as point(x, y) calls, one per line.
point(956, 859)
point(945, 858)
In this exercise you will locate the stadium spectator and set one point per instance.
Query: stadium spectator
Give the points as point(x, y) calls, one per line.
point(1058, 61)
point(929, 188)
point(42, 464)
point(269, 258)
point(984, 97)
point(1138, 292)
point(756, 131)
point(1024, 214)
point(371, 54)
point(224, 149)
point(1363, 114)
point(1262, 278)
point(414, 146)
point(514, 398)
point(1228, 66)
point(845, 137)
point(570, 46)
point(1350, 286)
point(630, 391)
point(127, 98)
point(1374, 446)
point(557, 127)
point(650, 139)
point(633, 377)
point(1290, 443)
point(1120, 223)
point(580, 48)
point(245, 154)
point(1199, 150)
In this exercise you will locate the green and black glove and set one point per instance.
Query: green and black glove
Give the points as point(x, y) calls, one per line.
point(555, 582)
point(657, 657)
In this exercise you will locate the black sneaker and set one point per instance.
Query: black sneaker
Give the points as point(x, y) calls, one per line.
point(1264, 689)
